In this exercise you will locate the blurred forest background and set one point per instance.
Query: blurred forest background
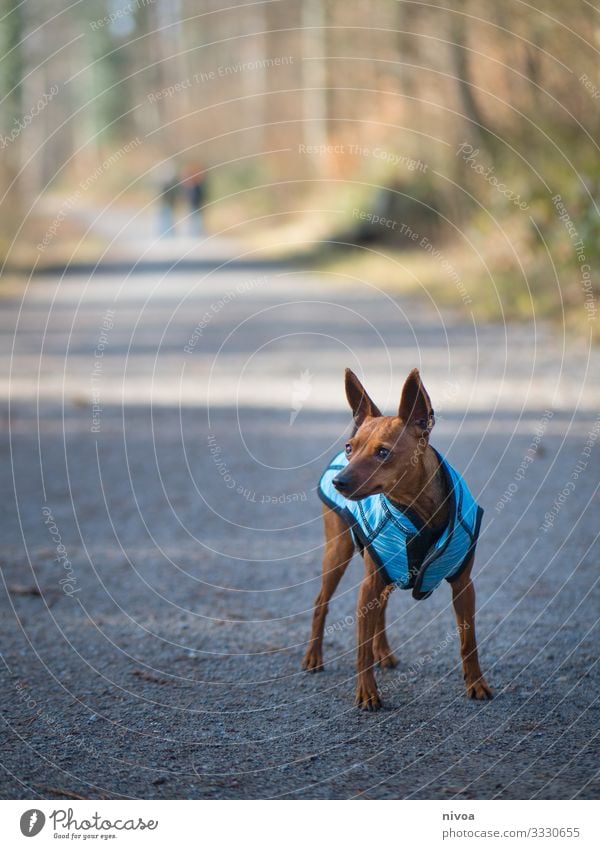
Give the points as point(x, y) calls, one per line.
point(310, 118)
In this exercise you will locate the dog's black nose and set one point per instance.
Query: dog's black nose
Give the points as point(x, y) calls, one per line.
point(341, 483)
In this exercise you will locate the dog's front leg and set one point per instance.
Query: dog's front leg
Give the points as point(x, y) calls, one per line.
point(463, 599)
point(339, 548)
point(367, 615)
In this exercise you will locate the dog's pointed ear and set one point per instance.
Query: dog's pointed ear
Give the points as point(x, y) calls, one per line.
point(359, 401)
point(415, 405)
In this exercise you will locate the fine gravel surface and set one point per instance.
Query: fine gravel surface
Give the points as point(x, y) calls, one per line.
point(163, 432)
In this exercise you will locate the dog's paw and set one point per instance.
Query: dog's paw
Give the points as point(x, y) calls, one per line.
point(478, 689)
point(367, 697)
point(313, 661)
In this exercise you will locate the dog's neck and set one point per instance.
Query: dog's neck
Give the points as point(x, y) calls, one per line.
point(423, 488)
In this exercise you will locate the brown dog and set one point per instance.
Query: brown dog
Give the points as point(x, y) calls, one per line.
point(390, 467)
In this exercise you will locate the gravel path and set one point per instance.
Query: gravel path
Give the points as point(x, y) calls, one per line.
point(162, 547)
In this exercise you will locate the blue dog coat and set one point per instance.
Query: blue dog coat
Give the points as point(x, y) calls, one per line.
point(405, 550)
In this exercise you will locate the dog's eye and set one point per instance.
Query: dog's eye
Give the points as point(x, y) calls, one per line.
point(348, 449)
point(383, 453)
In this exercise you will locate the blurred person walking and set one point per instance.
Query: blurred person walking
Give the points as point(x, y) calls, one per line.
point(169, 188)
point(195, 189)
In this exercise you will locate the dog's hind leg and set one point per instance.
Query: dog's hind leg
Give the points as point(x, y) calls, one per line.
point(339, 548)
point(382, 653)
